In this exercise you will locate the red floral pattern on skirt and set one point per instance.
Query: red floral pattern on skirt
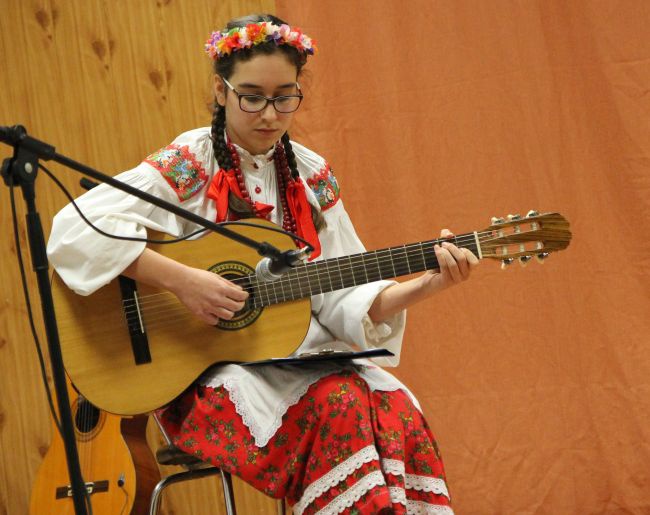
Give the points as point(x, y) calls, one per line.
point(336, 420)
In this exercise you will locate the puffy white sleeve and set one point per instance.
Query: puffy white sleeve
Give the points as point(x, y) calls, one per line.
point(87, 260)
point(344, 313)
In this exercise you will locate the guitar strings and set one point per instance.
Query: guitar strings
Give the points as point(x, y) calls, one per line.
point(146, 303)
point(158, 307)
point(343, 270)
point(389, 252)
point(383, 259)
point(162, 312)
point(298, 275)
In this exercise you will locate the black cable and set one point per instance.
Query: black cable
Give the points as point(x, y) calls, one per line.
point(32, 325)
point(120, 484)
point(147, 240)
point(28, 303)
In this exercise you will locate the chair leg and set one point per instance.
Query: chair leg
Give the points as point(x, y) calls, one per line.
point(228, 496)
point(179, 478)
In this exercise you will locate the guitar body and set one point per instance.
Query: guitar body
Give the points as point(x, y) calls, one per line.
point(116, 463)
point(97, 345)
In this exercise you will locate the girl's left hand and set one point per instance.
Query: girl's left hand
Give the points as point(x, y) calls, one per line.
point(455, 263)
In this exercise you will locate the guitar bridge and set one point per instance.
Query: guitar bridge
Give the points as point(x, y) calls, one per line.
point(134, 321)
point(92, 487)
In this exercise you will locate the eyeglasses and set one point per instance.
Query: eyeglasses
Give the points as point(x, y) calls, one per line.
point(256, 103)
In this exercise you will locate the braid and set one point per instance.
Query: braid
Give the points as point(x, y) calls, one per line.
point(291, 157)
point(239, 207)
point(316, 215)
point(221, 152)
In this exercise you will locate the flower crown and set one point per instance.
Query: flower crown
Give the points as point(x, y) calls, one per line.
point(221, 44)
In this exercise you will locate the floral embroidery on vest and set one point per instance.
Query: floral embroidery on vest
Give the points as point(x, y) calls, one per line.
point(325, 187)
point(180, 168)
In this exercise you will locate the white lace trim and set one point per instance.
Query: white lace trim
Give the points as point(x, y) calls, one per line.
point(260, 431)
point(261, 434)
point(422, 508)
point(394, 467)
point(414, 481)
point(353, 494)
point(398, 496)
point(335, 476)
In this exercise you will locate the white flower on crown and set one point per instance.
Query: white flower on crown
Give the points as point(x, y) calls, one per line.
point(285, 30)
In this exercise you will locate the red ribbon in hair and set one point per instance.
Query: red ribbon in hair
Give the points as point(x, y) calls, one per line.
point(301, 210)
point(224, 182)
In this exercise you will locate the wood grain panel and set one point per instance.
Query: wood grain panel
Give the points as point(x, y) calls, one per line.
point(106, 83)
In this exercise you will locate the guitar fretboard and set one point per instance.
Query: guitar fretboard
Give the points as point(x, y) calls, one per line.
point(354, 270)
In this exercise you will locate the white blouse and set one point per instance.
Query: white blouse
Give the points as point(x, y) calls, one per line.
point(86, 261)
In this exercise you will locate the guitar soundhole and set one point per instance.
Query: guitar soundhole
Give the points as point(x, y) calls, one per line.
point(239, 273)
point(87, 418)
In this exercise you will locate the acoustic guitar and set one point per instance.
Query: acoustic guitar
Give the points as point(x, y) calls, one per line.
point(116, 463)
point(131, 348)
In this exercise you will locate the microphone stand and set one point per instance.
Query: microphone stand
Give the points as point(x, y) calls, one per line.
point(21, 170)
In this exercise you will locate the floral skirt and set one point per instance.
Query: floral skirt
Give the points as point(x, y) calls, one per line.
point(341, 449)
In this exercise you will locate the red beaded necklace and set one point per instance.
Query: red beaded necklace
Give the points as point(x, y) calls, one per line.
point(283, 176)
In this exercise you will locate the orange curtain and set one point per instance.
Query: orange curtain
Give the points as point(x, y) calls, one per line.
point(442, 114)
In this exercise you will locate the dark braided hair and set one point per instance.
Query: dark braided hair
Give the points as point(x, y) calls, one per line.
point(221, 153)
point(291, 157)
point(224, 67)
point(239, 206)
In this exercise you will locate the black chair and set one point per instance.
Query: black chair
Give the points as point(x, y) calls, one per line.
point(169, 454)
point(194, 469)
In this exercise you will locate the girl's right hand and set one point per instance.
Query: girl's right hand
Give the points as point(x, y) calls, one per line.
point(209, 296)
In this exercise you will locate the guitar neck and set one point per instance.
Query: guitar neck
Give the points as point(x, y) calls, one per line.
point(354, 270)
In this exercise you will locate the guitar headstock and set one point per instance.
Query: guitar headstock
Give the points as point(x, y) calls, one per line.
point(535, 235)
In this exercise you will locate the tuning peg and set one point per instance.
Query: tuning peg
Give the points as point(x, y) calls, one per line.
point(523, 260)
point(542, 256)
point(514, 217)
point(496, 220)
point(505, 262)
point(531, 213)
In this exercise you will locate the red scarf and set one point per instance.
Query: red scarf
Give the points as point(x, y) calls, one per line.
point(225, 181)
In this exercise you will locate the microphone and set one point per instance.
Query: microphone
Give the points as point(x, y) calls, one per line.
point(272, 269)
point(16, 135)
point(12, 135)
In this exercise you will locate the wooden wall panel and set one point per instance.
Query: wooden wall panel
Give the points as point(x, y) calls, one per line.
point(106, 82)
